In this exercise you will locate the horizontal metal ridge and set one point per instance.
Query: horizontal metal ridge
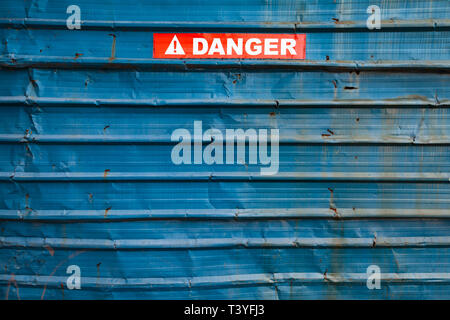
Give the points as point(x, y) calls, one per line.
point(109, 214)
point(225, 280)
point(149, 244)
point(226, 176)
point(48, 101)
point(337, 26)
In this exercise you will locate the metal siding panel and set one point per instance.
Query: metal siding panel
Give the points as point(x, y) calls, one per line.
point(86, 178)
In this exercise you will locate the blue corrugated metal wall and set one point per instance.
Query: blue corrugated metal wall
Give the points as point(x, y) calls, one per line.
point(86, 179)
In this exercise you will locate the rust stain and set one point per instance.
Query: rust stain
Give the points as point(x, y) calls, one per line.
point(332, 205)
point(27, 203)
point(337, 21)
point(106, 211)
point(77, 55)
point(411, 96)
point(113, 48)
point(272, 114)
point(329, 134)
point(105, 174)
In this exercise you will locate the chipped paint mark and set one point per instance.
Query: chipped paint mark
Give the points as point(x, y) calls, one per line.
point(105, 173)
point(28, 133)
point(329, 134)
point(49, 249)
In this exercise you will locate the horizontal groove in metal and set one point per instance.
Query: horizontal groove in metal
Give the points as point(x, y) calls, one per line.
point(199, 229)
point(23, 61)
point(123, 125)
point(187, 263)
point(297, 162)
point(232, 195)
point(275, 88)
point(137, 265)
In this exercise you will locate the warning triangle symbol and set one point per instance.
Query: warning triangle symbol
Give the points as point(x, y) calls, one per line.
point(175, 47)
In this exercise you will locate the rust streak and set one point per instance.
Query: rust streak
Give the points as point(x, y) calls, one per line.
point(106, 211)
point(334, 83)
point(113, 48)
point(14, 282)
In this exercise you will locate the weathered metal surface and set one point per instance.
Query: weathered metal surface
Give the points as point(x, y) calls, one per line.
point(86, 176)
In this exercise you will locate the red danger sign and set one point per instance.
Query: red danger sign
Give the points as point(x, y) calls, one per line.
point(228, 46)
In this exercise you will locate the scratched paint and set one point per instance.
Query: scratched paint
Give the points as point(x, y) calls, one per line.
point(86, 178)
